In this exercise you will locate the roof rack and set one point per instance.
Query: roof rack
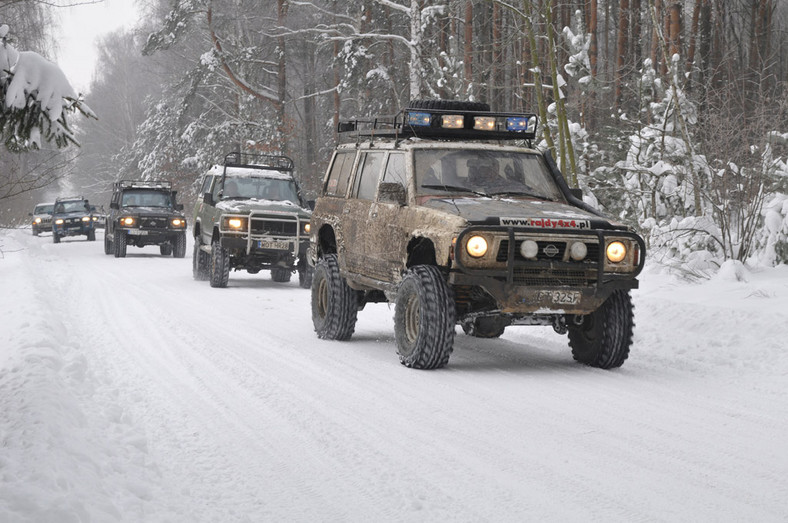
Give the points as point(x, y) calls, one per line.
point(143, 184)
point(446, 124)
point(259, 161)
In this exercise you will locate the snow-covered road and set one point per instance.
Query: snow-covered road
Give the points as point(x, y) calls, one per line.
point(131, 392)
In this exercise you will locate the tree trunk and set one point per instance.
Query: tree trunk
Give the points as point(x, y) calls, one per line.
point(623, 29)
point(281, 11)
point(468, 48)
point(496, 85)
point(692, 43)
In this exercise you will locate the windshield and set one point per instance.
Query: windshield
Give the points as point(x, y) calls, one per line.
point(145, 198)
point(483, 172)
point(74, 206)
point(43, 209)
point(260, 189)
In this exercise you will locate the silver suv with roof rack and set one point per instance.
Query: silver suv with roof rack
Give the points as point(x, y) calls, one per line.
point(251, 215)
point(145, 212)
point(448, 211)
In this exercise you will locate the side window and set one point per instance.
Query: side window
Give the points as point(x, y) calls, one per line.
point(206, 185)
point(395, 170)
point(339, 176)
point(369, 174)
point(216, 186)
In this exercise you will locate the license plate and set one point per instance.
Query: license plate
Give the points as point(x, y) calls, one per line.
point(278, 246)
point(560, 297)
point(137, 232)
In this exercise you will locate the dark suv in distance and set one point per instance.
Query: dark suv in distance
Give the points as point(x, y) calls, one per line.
point(448, 211)
point(42, 218)
point(71, 217)
point(145, 213)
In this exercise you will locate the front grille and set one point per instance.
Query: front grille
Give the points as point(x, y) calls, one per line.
point(546, 248)
point(274, 227)
point(153, 222)
point(551, 277)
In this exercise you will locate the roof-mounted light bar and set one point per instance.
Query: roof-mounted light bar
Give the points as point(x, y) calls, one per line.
point(470, 124)
point(446, 124)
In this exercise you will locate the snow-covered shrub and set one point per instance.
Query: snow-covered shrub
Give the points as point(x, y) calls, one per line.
point(772, 244)
point(691, 246)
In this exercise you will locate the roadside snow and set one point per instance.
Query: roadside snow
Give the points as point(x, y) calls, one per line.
point(131, 392)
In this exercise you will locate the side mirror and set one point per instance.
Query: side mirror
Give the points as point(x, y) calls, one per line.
point(178, 206)
point(207, 198)
point(576, 192)
point(30, 214)
point(392, 193)
point(311, 204)
point(114, 205)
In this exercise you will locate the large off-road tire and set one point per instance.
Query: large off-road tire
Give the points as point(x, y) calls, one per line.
point(92, 235)
point(179, 246)
point(165, 249)
point(220, 265)
point(35, 231)
point(604, 338)
point(107, 244)
point(120, 244)
point(486, 327)
point(424, 319)
point(305, 275)
point(201, 262)
point(281, 274)
point(55, 238)
point(334, 303)
point(449, 105)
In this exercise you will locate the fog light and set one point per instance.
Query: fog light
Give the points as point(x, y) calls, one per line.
point(529, 249)
point(578, 251)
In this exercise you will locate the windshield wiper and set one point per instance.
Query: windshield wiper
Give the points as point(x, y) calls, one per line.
point(449, 188)
point(521, 193)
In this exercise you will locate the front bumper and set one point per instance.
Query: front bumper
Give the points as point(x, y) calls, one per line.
point(72, 229)
point(266, 234)
point(549, 283)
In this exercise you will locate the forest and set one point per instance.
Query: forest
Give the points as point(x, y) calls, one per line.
point(670, 115)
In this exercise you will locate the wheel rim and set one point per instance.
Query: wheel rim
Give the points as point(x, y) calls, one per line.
point(322, 299)
point(412, 321)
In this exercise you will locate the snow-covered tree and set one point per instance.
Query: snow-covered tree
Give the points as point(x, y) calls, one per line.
point(35, 99)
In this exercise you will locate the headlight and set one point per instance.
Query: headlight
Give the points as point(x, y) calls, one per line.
point(235, 223)
point(95, 218)
point(307, 228)
point(128, 221)
point(59, 221)
point(476, 246)
point(38, 220)
point(616, 251)
point(178, 222)
point(86, 218)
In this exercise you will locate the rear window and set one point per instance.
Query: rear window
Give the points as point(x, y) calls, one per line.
point(339, 176)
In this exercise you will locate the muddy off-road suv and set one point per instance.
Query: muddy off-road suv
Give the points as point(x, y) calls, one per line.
point(251, 216)
point(447, 210)
point(145, 213)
